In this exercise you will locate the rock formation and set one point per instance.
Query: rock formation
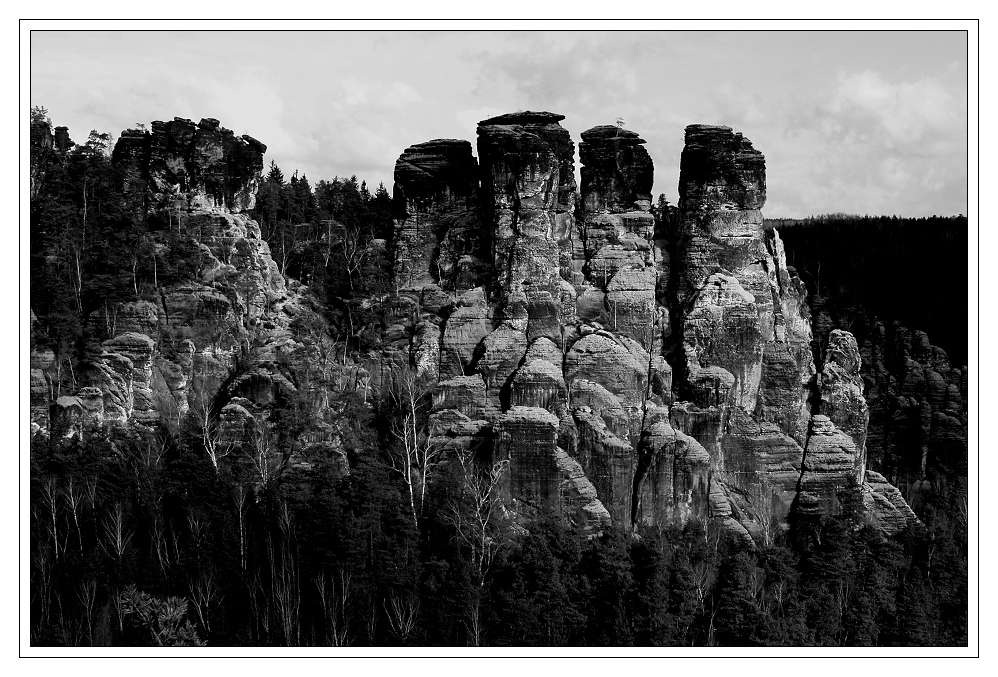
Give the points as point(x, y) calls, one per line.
point(741, 332)
point(182, 165)
point(672, 369)
point(610, 366)
point(229, 344)
point(917, 402)
point(438, 238)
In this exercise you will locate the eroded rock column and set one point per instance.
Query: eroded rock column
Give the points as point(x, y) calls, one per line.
point(437, 233)
point(742, 333)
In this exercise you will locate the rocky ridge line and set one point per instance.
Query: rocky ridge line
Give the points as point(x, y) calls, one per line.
point(229, 345)
point(588, 313)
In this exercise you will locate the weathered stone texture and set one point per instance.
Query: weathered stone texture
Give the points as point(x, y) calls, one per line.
point(842, 398)
point(541, 473)
point(180, 165)
point(528, 190)
point(829, 469)
point(437, 229)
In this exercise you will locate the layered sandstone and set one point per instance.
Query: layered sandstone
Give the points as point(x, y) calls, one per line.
point(741, 330)
point(841, 390)
point(227, 345)
point(529, 194)
point(438, 232)
point(542, 475)
point(673, 367)
point(618, 368)
point(182, 165)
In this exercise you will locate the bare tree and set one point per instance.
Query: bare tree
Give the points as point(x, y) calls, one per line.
point(87, 595)
point(415, 458)
point(402, 610)
point(41, 581)
point(116, 536)
point(210, 427)
point(204, 595)
point(74, 502)
point(50, 503)
point(284, 577)
point(198, 528)
point(266, 461)
point(354, 243)
point(334, 594)
point(476, 519)
point(769, 521)
point(158, 539)
point(240, 496)
point(703, 581)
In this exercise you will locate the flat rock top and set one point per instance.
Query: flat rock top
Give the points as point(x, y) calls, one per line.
point(438, 151)
point(530, 414)
point(611, 132)
point(438, 143)
point(716, 137)
point(707, 128)
point(523, 117)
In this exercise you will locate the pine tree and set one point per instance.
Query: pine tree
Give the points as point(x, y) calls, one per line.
point(737, 619)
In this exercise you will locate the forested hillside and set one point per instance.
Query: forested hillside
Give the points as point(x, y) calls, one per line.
point(271, 481)
point(857, 268)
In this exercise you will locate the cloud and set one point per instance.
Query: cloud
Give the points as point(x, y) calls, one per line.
point(905, 110)
point(562, 71)
point(873, 144)
point(468, 119)
point(848, 122)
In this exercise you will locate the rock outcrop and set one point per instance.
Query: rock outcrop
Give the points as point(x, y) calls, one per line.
point(181, 165)
point(615, 367)
point(841, 390)
point(917, 402)
point(741, 331)
point(226, 346)
point(438, 232)
point(673, 367)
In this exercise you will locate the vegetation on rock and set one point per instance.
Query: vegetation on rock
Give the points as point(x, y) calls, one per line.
point(253, 425)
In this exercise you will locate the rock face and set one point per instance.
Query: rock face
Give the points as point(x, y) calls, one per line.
point(615, 368)
point(742, 333)
point(184, 165)
point(917, 402)
point(618, 173)
point(542, 474)
point(670, 369)
point(438, 233)
point(842, 398)
point(529, 196)
point(828, 473)
point(227, 345)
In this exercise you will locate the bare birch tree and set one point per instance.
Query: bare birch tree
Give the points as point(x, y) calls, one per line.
point(415, 458)
point(205, 594)
point(402, 610)
point(266, 460)
point(476, 517)
point(209, 426)
point(334, 595)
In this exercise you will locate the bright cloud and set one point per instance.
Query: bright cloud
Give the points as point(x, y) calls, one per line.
point(856, 122)
point(906, 110)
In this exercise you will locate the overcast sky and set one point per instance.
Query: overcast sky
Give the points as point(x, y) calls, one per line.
point(858, 122)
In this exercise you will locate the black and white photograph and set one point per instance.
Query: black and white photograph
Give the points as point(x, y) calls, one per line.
point(577, 338)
